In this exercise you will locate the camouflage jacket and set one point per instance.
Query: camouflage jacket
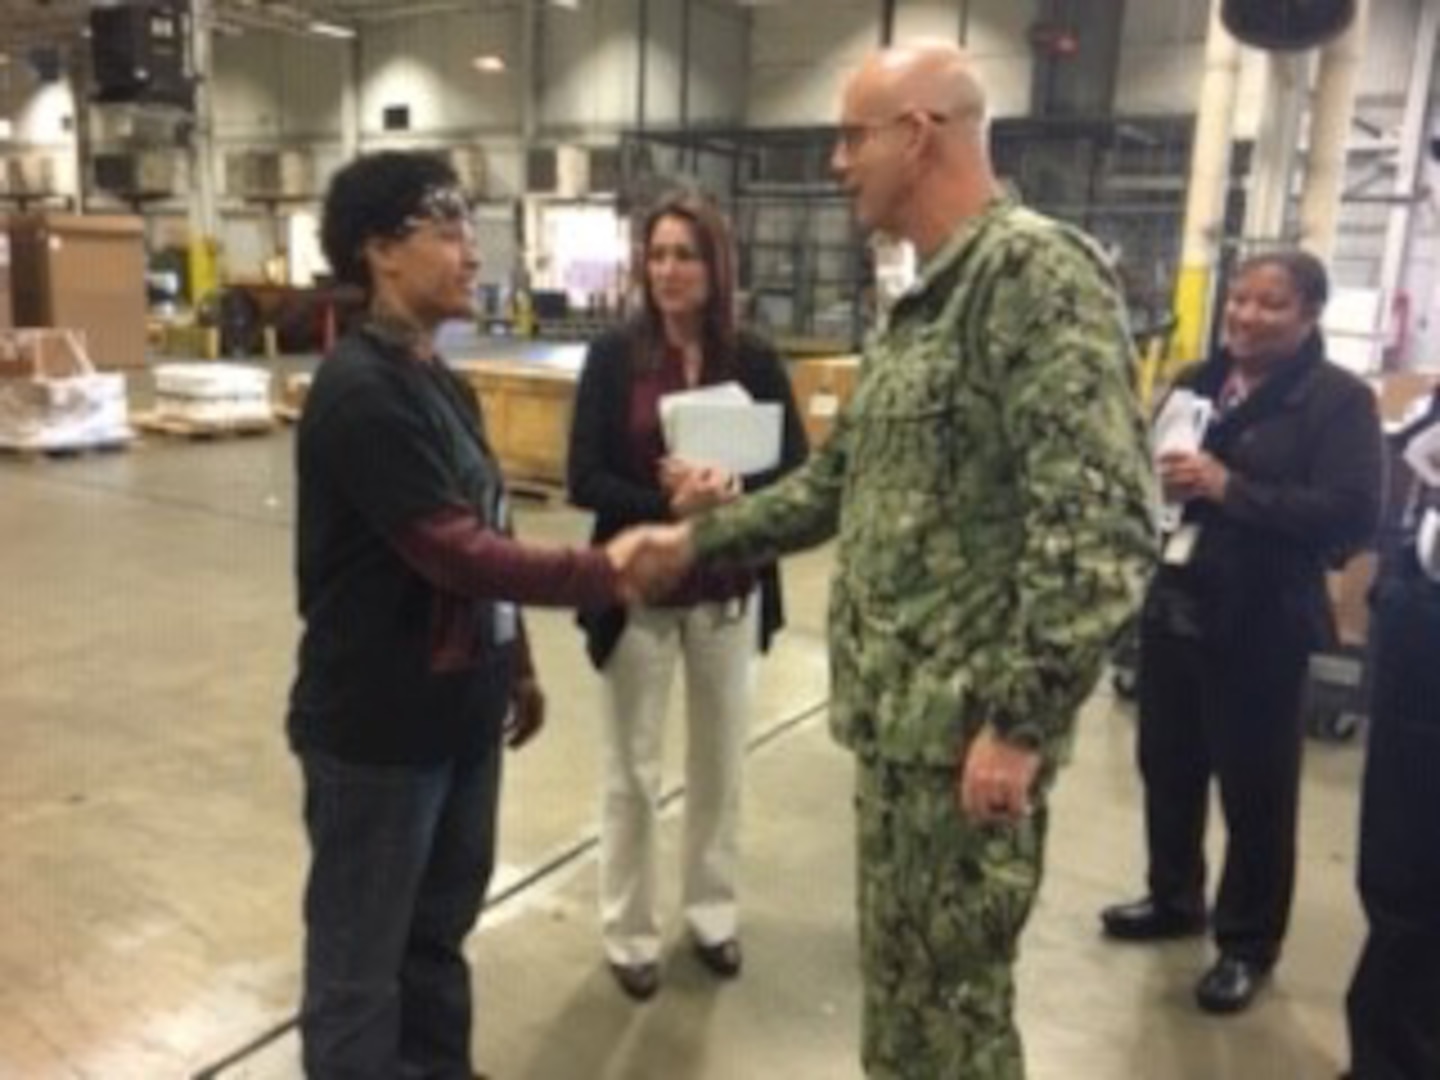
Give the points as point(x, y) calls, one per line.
point(991, 488)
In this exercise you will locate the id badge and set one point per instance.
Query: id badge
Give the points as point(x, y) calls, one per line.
point(506, 620)
point(1180, 545)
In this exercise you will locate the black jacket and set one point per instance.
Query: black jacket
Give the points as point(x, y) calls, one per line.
point(1399, 867)
point(603, 479)
point(1306, 476)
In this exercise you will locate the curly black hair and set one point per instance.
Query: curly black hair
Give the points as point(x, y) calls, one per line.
point(375, 196)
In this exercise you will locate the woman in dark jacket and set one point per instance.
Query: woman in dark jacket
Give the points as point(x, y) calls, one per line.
point(620, 468)
point(1286, 485)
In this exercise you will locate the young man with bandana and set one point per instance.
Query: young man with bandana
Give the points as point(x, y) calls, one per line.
point(414, 665)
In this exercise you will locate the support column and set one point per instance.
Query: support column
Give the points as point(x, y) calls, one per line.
point(685, 34)
point(642, 65)
point(81, 84)
point(1330, 122)
point(1413, 140)
point(1272, 173)
point(1209, 186)
point(351, 99)
point(532, 85)
point(204, 205)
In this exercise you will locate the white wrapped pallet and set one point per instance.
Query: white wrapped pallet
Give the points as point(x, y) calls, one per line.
point(55, 400)
point(215, 394)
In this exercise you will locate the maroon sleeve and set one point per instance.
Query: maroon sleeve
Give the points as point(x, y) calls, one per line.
point(453, 551)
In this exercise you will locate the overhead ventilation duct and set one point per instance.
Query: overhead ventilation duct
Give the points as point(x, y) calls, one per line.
point(1286, 25)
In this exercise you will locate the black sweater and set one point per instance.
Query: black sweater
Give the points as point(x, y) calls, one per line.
point(602, 477)
point(1305, 458)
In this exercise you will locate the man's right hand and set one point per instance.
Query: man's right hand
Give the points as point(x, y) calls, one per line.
point(650, 560)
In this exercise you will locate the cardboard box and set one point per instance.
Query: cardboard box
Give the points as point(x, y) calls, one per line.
point(1400, 389)
point(527, 416)
point(1350, 586)
point(87, 273)
point(822, 387)
point(294, 391)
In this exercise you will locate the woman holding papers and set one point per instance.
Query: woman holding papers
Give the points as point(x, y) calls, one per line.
point(683, 342)
point(1283, 483)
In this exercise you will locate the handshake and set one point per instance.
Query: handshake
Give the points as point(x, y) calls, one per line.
point(650, 560)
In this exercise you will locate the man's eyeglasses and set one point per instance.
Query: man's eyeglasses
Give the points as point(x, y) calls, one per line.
point(853, 136)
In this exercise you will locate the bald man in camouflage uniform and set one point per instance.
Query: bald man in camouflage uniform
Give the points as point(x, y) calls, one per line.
point(990, 487)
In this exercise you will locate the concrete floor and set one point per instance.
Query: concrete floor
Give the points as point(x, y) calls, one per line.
point(151, 857)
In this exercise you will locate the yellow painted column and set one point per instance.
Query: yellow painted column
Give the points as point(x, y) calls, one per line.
point(204, 261)
point(204, 244)
point(1205, 198)
point(1193, 289)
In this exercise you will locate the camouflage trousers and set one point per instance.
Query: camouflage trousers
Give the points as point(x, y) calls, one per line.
point(942, 902)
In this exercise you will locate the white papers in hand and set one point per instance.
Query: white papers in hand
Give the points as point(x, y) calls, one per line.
point(1427, 544)
point(1423, 455)
point(722, 426)
point(1179, 429)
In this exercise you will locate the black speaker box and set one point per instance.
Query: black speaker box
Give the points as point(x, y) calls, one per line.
point(1286, 25)
point(139, 53)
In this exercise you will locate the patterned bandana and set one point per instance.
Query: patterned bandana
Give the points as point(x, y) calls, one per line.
point(441, 205)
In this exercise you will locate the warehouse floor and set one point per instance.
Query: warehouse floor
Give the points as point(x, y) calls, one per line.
point(151, 858)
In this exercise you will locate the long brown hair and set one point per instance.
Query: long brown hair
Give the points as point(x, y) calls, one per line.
point(717, 252)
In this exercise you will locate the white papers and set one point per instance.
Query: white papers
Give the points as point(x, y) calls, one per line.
point(1427, 544)
point(1179, 429)
point(722, 426)
point(1423, 455)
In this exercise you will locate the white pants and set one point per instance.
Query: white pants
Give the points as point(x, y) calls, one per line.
point(719, 644)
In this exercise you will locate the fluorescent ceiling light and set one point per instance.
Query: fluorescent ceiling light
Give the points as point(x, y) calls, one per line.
point(489, 63)
point(329, 29)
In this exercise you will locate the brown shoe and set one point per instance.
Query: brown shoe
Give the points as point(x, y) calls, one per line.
point(639, 981)
point(723, 958)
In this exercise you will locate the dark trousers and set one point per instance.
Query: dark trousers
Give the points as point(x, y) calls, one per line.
point(400, 861)
point(1394, 1004)
point(1394, 1001)
point(1232, 712)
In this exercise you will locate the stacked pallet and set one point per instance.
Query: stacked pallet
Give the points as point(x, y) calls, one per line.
point(200, 400)
point(52, 400)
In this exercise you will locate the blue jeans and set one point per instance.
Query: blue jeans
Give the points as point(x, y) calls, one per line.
point(400, 861)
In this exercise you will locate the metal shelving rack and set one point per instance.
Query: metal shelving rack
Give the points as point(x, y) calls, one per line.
point(805, 267)
point(802, 263)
